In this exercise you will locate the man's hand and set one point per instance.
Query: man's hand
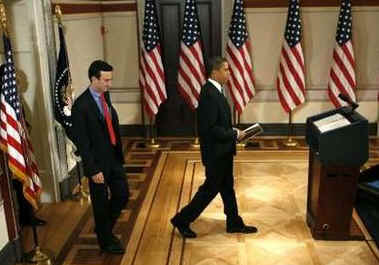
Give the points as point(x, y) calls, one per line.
point(98, 178)
point(240, 134)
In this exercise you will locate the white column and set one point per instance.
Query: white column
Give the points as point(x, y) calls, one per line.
point(44, 55)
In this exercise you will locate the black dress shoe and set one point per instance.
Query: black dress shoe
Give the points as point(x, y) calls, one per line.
point(245, 229)
point(35, 222)
point(184, 230)
point(113, 249)
point(116, 240)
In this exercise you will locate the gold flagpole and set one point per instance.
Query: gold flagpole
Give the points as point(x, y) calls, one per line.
point(239, 145)
point(290, 142)
point(69, 89)
point(195, 144)
point(152, 143)
point(142, 92)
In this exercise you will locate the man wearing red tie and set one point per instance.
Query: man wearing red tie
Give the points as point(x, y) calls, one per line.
point(96, 134)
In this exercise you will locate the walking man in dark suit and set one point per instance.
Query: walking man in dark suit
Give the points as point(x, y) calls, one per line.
point(96, 134)
point(218, 146)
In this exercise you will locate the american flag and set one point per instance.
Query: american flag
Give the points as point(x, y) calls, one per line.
point(241, 82)
point(291, 76)
point(14, 137)
point(191, 74)
point(152, 76)
point(342, 73)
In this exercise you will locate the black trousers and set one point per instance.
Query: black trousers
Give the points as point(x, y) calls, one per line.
point(107, 207)
point(219, 179)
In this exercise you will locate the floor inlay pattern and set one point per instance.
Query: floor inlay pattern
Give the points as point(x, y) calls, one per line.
point(271, 189)
point(271, 195)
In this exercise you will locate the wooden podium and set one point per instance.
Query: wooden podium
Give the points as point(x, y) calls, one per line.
point(331, 197)
point(335, 157)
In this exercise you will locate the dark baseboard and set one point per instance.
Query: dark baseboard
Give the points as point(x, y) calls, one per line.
point(133, 130)
point(11, 253)
point(270, 129)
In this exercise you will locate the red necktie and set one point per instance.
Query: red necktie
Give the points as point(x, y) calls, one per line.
point(108, 119)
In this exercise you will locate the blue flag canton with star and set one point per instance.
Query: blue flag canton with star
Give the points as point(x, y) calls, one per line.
point(9, 79)
point(191, 26)
point(237, 31)
point(293, 27)
point(150, 34)
point(344, 23)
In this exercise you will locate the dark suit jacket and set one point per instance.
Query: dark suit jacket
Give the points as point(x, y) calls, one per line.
point(217, 137)
point(91, 135)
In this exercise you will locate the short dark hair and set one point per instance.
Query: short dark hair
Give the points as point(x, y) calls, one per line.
point(96, 67)
point(215, 63)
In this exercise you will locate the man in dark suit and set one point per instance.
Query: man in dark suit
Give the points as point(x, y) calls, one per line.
point(96, 134)
point(217, 145)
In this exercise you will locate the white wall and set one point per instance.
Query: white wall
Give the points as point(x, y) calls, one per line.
point(4, 238)
point(266, 27)
point(121, 50)
point(119, 47)
point(84, 45)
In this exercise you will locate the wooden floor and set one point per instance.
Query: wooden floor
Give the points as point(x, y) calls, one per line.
point(271, 186)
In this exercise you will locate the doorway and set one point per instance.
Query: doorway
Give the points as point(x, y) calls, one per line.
point(175, 117)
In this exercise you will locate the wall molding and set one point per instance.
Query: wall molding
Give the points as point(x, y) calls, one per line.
point(69, 8)
point(270, 94)
point(267, 94)
point(310, 9)
point(270, 129)
point(125, 95)
point(305, 3)
point(264, 94)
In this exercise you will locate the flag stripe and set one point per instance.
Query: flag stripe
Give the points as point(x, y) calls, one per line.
point(192, 85)
point(196, 51)
point(187, 89)
point(240, 73)
point(157, 69)
point(151, 70)
point(248, 69)
point(286, 89)
point(236, 76)
point(291, 73)
point(152, 78)
point(190, 66)
point(241, 82)
point(282, 100)
point(342, 72)
point(191, 72)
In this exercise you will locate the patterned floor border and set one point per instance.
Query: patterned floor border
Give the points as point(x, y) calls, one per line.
point(143, 165)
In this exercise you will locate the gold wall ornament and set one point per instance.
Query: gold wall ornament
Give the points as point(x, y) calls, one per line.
point(3, 18)
point(58, 13)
